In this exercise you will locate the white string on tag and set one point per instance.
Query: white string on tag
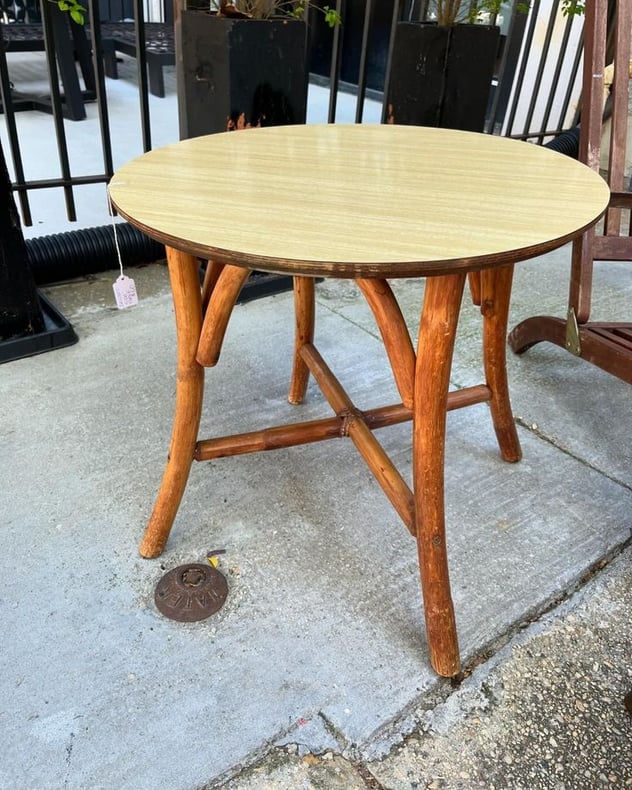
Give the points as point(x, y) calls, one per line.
point(124, 288)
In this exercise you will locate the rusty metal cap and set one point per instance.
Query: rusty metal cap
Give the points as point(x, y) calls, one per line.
point(191, 592)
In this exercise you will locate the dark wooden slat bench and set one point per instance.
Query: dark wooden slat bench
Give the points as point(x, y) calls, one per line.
point(115, 37)
point(159, 49)
point(604, 344)
point(72, 45)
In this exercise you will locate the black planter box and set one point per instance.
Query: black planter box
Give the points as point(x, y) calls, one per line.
point(235, 73)
point(441, 76)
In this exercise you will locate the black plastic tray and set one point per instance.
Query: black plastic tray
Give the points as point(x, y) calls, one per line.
point(261, 284)
point(57, 333)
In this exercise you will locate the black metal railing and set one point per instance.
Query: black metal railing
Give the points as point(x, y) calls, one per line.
point(63, 41)
point(547, 64)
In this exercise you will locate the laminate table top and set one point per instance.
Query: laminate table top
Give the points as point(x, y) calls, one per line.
point(359, 200)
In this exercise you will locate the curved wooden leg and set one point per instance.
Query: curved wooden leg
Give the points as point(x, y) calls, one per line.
point(185, 285)
point(442, 301)
point(495, 297)
point(221, 302)
point(390, 321)
point(211, 276)
point(537, 329)
point(474, 281)
point(304, 318)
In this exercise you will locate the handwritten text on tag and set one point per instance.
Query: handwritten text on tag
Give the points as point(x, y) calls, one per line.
point(125, 292)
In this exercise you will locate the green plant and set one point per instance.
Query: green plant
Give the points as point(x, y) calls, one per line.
point(455, 12)
point(573, 7)
point(75, 9)
point(332, 17)
point(267, 9)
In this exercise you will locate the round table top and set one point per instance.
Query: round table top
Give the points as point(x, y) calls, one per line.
point(358, 200)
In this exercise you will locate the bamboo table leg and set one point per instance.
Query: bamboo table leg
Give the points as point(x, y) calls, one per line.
point(437, 330)
point(395, 335)
point(187, 301)
point(495, 297)
point(304, 318)
point(199, 344)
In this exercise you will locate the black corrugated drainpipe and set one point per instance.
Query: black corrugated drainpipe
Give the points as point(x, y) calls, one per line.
point(63, 256)
point(566, 143)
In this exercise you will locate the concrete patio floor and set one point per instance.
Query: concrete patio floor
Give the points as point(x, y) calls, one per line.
point(315, 672)
point(320, 644)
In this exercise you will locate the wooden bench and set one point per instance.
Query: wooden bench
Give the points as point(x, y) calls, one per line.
point(115, 37)
point(72, 45)
point(607, 71)
point(159, 49)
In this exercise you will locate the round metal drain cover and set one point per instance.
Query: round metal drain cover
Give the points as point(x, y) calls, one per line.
point(191, 592)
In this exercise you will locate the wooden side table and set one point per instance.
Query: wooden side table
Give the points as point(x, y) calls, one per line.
point(368, 203)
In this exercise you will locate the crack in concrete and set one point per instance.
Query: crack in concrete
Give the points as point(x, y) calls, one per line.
point(532, 428)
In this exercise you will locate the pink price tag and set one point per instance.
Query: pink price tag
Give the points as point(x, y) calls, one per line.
point(125, 292)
